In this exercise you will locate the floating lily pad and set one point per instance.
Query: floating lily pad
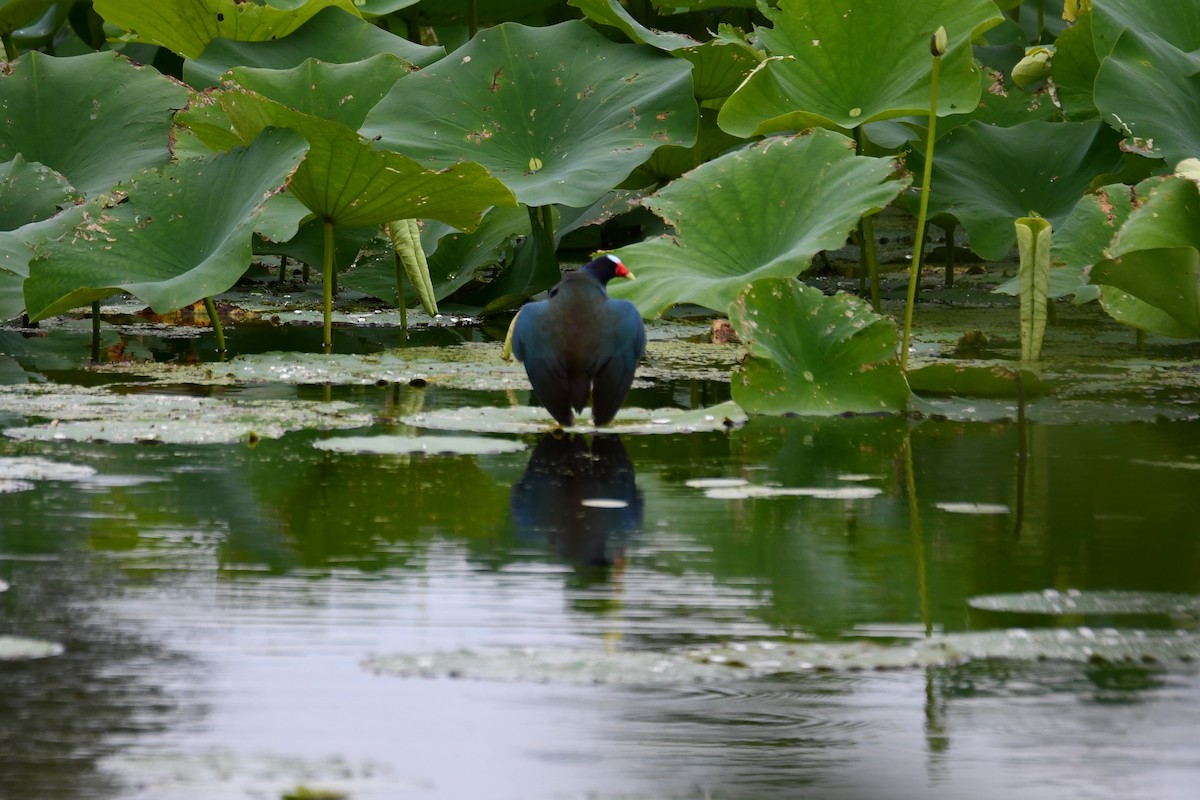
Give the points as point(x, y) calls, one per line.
point(18, 648)
point(761, 658)
point(973, 508)
point(420, 445)
point(96, 415)
point(534, 419)
point(3, 586)
point(604, 502)
point(1108, 603)
point(820, 492)
point(11, 487)
point(42, 469)
point(470, 365)
point(1169, 464)
point(716, 483)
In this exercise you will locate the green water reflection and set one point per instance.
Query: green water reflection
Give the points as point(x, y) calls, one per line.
point(142, 570)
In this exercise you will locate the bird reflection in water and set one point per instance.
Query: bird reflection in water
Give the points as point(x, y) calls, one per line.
point(581, 500)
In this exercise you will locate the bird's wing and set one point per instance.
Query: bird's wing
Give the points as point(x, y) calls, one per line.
point(624, 344)
point(534, 345)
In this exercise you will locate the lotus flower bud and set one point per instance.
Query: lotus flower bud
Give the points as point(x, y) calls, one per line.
point(939, 42)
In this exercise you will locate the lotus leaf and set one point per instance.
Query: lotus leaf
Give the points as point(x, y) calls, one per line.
point(187, 26)
point(332, 36)
point(1147, 65)
point(16, 251)
point(813, 355)
point(455, 258)
point(759, 212)
point(1033, 244)
point(349, 181)
point(560, 114)
point(96, 118)
point(843, 63)
point(1074, 70)
point(1082, 239)
point(1174, 20)
point(1156, 259)
point(487, 12)
point(30, 192)
point(183, 234)
point(719, 65)
point(343, 92)
point(987, 177)
point(18, 13)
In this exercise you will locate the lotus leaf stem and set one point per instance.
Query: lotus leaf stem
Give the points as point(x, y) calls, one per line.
point(215, 321)
point(95, 331)
point(914, 274)
point(10, 49)
point(401, 300)
point(868, 260)
point(327, 287)
point(914, 519)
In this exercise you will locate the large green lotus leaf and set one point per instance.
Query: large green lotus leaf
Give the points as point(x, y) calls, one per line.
point(560, 114)
point(1074, 68)
point(343, 93)
point(986, 177)
point(670, 162)
point(1156, 257)
point(17, 250)
point(12, 284)
point(332, 36)
point(487, 12)
point(95, 119)
point(18, 13)
point(843, 63)
point(31, 192)
point(813, 355)
point(719, 64)
point(1144, 66)
point(1176, 21)
point(187, 26)
point(1083, 239)
point(182, 234)
point(759, 212)
point(379, 8)
point(350, 181)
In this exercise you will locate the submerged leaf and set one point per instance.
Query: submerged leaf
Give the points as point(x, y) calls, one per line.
point(533, 419)
point(153, 419)
point(754, 659)
point(1053, 602)
point(420, 445)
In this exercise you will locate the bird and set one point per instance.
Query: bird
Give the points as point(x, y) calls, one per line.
point(579, 343)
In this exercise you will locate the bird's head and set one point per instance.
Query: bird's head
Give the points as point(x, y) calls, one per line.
point(607, 267)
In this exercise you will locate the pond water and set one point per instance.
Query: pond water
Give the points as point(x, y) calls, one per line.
point(249, 620)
